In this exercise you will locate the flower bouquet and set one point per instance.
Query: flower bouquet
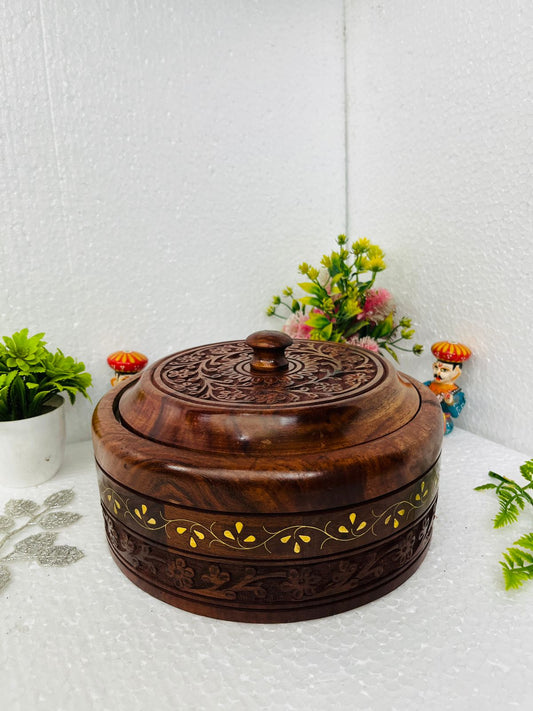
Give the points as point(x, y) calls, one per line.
point(341, 303)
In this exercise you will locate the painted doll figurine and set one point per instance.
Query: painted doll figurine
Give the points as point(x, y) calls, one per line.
point(446, 369)
point(124, 364)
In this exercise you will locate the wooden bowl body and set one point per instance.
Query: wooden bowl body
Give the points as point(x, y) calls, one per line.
point(261, 498)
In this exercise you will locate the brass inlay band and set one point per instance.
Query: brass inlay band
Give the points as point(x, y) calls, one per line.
point(298, 538)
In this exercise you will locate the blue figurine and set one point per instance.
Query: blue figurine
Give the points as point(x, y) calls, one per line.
point(446, 369)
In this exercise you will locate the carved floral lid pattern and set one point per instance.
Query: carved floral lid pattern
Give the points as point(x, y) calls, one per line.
point(279, 398)
point(317, 373)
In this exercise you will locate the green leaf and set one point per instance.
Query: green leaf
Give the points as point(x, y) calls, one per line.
point(319, 321)
point(354, 328)
point(311, 301)
point(526, 541)
point(384, 328)
point(311, 288)
point(391, 352)
point(484, 487)
point(527, 470)
point(326, 332)
point(515, 577)
point(518, 557)
point(507, 514)
point(38, 402)
point(18, 399)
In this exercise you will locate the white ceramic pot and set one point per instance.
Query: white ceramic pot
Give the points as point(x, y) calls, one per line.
point(31, 450)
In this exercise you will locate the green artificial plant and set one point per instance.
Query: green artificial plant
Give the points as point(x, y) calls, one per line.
point(517, 563)
point(340, 302)
point(30, 376)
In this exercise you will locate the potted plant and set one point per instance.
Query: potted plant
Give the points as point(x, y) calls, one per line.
point(32, 419)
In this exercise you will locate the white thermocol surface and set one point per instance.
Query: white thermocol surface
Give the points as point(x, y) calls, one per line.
point(83, 637)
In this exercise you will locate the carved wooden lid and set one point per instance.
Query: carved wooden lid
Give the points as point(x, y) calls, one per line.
point(268, 394)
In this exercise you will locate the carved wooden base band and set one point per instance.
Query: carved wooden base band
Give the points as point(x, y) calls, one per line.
point(269, 590)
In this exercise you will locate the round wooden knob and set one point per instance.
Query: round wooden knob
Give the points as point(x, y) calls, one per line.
point(269, 351)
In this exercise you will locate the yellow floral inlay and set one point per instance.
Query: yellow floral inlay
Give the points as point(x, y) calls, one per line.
point(234, 535)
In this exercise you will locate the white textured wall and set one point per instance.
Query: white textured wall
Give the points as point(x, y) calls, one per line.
point(165, 167)
point(440, 174)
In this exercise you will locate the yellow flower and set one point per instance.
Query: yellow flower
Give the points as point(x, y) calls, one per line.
point(375, 251)
point(375, 264)
point(352, 307)
point(362, 245)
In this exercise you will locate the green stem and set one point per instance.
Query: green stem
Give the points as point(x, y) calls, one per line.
point(398, 348)
point(516, 496)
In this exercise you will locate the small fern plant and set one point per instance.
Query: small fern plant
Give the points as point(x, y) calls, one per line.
point(517, 563)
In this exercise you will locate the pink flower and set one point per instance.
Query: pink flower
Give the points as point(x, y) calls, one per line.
point(369, 343)
point(296, 327)
point(378, 305)
point(366, 342)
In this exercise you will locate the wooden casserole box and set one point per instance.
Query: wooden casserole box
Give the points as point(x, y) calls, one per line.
point(268, 480)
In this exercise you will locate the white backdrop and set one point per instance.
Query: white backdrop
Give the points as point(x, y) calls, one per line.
point(440, 174)
point(167, 165)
